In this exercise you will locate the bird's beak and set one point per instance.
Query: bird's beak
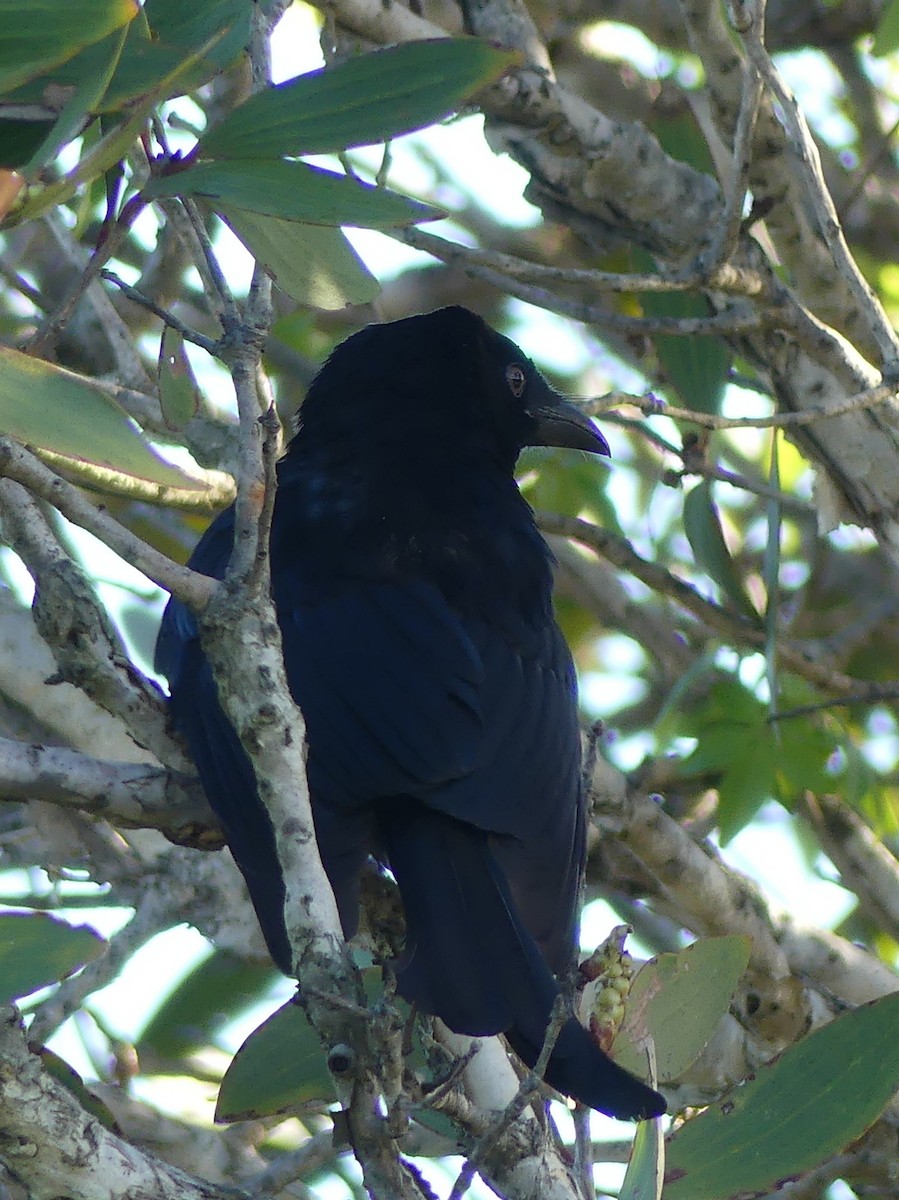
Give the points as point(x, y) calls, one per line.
point(561, 423)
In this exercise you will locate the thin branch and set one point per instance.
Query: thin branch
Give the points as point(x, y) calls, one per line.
point(722, 277)
point(158, 908)
point(652, 406)
point(735, 628)
point(192, 335)
point(70, 1152)
point(866, 866)
point(734, 319)
point(85, 645)
point(516, 1106)
point(21, 465)
point(726, 234)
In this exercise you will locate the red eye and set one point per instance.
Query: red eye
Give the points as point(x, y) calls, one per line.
point(516, 378)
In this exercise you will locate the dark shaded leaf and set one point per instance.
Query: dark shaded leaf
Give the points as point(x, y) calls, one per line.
point(702, 525)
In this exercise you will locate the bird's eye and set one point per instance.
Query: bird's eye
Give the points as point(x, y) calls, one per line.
point(516, 378)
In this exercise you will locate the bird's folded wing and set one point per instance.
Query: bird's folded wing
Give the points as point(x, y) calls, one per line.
point(403, 697)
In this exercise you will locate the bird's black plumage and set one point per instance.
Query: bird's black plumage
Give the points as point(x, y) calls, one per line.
point(414, 595)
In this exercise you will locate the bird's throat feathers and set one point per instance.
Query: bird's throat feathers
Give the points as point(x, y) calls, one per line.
point(417, 517)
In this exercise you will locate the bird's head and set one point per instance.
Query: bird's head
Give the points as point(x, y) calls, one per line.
point(446, 382)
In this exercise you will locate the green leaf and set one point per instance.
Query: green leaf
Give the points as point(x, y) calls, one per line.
point(812, 1102)
point(45, 406)
point(646, 1168)
point(280, 1066)
point(179, 396)
point(886, 39)
point(210, 996)
point(294, 191)
point(205, 34)
point(702, 525)
point(83, 101)
point(679, 999)
point(37, 949)
point(371, 98)
point(314, 264)
point(41, 33)
point(771, 573)
point(696, 367)
point(72, 1082)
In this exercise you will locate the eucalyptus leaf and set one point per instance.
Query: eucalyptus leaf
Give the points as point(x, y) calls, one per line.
point(810, 1103)
point(41, 33)
point(47, 407)
point(314, 264)
point(679, 999)
point(702, 525)
point(294, 191)
point(37, 949)
point(371, 98)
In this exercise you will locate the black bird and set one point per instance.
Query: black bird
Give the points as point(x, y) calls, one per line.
point(414, 595)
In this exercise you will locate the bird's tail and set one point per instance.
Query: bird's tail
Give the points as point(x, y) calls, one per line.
point(470, 961)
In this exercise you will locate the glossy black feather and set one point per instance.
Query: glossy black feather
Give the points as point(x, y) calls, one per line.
point(413, 592)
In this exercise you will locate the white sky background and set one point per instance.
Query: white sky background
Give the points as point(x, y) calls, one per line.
point(496, 184)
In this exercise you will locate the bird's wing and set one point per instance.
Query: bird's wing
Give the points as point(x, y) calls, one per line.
point(402, 696)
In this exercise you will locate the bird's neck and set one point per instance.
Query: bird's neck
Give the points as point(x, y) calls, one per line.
point(468, 531)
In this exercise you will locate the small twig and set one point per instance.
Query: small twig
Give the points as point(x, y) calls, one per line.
point(583, 1152)
point(289, 1168)
point(621, 553)
point(158, 909)
point(723, 277)
point(516, 1106)
point(875, 693)
point(732, 320)
point(743, 483)
point(652, 406)
point(192, 335)
point(727, 232)
point(50, 329)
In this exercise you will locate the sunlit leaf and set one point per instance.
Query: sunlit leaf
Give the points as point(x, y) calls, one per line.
point(886, 39)
point(680, 998)
point(646, 1167)
point(314, 264)
point(84, 100)
point(280, 1066)
point(40, 33)
point(44, 406)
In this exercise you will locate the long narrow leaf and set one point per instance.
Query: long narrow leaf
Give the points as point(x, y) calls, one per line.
point(368, 99)
point(294, 191)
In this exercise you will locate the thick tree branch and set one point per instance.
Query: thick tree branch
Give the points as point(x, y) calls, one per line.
point(136, 794)
point(50, 1143)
